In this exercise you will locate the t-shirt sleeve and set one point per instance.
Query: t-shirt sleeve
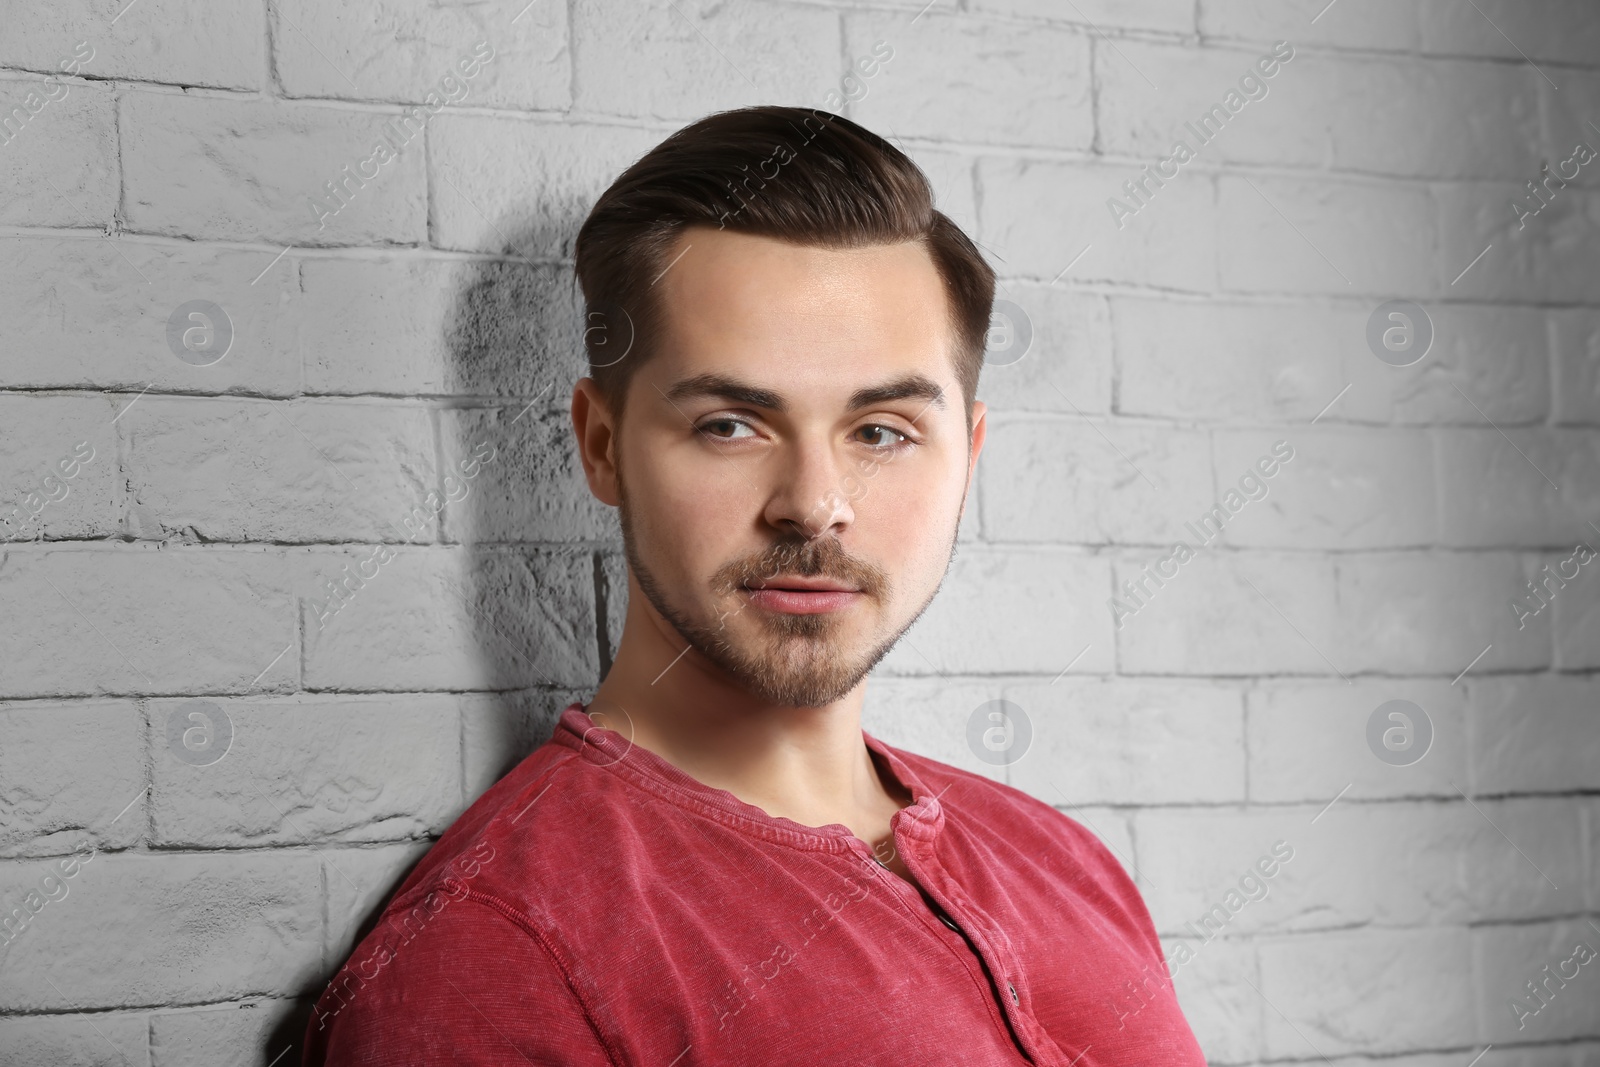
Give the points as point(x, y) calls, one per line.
point(470, 988)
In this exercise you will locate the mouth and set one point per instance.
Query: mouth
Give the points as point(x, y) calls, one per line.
point(802, 595)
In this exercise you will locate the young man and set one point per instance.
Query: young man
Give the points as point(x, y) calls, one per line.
point(711, 862)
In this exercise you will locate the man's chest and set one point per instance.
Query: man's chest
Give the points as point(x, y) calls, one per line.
point(847, 960)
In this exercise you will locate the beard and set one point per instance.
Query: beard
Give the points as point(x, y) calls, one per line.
point(800, 661)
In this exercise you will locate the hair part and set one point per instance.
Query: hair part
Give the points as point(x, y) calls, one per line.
point(801, 175)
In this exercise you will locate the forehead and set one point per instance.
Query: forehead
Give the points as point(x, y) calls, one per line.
point(821, 320)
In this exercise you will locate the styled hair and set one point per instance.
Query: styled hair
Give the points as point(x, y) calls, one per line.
point(801, 175)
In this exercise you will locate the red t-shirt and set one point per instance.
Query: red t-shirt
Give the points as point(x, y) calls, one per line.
point(599, 907)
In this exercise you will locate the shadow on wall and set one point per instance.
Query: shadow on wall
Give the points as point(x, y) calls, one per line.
point(543, 579)
point(540, 583)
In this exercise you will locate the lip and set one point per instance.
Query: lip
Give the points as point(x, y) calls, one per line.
point(802, 596)
point(804, 584)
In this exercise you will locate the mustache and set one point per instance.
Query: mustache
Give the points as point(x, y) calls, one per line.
point(825, 557)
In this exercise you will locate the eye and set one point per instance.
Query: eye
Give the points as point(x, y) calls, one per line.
point(726, 429)
point(880, 437)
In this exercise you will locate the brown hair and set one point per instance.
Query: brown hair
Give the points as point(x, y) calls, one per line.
point(801, 175)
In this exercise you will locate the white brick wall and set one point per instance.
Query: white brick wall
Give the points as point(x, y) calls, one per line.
point(190, 559)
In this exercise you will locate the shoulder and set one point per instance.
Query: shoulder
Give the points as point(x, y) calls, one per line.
point(420, 988)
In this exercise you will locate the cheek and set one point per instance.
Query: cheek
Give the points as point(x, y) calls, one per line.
point(909, 524)
point(687, 523)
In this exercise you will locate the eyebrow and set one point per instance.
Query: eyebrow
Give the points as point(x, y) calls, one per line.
point(906, 387)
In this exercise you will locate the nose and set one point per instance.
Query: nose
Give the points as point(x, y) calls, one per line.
point(811, 496)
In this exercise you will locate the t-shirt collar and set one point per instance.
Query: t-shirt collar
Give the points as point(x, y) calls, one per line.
point(923, 818)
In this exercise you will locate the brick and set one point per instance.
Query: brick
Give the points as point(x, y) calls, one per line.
point(359, 882)
point(1037, 607)
point(611, 589)
point(1499, 488)
point(973, 81)
point(1352, 237)
point(1221, 361)
point(1550, 257)
point(400, 52)
point(291, 471)
point(248, 169)
point(1207, 620)
point(431, 618)
point(247, 1034)
point(1215, 991)
point(1292, 362)
point(1577, 620)
point(1170, 244)
point(62, 455)
point(1533, 734)
point(227, 40)
point(1571, 99)
point(378, 326)
point(1575, 336)
point(952, 176)
point(970, 529)
point(359, 769)
point(500, 730)
point(135, 619)
point(1486, 361)
point(522, 187)
point(1523, 858)
point(1454, 119)
point(1344, 488)
point(1067, 367)
point(202, 927)
point(119, 297)
point(1206, 884)
point(1166, 16)
point(1410, 117)
point(1415, 613)
point(58, 156)
point(1066, 479)
point(1308, 741)
point(1440, 863)
point(71, 774)
point(116, 1039)
point(405, 325)
point(716, 53)
point(533, 489)
point(1116, 741)
point(1381, 25)
point(930, 717)
point(1355, 991)
point(1560, 30)
point(1511, 956)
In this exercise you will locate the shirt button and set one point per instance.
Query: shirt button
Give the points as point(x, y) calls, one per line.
point(1013, 992)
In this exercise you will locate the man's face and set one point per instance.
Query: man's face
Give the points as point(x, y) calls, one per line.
point(794, 457)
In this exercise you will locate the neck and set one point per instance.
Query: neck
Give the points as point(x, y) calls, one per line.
point(808, 764)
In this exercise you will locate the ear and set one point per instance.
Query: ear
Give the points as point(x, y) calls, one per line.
point(980, 430)
point(595, 432)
